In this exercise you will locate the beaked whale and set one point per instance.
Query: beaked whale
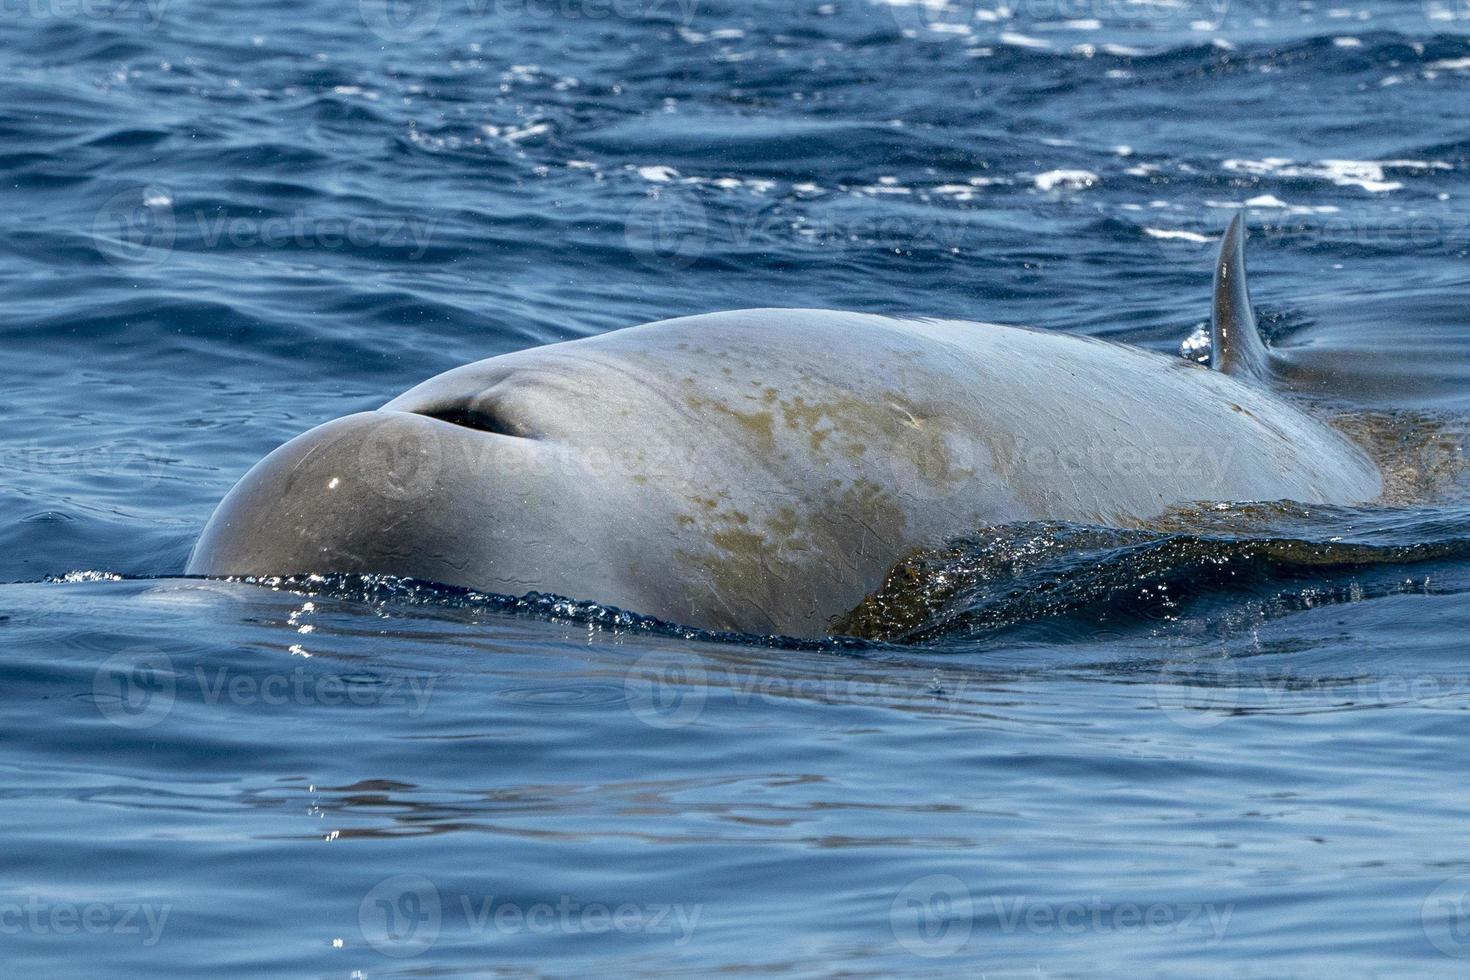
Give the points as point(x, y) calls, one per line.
point(762, 470)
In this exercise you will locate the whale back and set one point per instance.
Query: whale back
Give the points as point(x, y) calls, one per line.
point(783, 460)
point(764, 470)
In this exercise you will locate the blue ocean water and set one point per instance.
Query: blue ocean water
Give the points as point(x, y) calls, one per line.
point(1179, 753)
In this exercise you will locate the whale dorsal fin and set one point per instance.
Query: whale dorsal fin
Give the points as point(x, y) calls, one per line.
point(1236, 346)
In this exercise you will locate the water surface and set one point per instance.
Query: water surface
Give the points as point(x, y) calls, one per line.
point(1197, 749)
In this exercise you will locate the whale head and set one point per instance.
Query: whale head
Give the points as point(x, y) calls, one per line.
point(432, 486)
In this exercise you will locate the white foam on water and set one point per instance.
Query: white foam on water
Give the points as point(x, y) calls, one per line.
point(1418, 164)
point(960, 192)
point(1366, 174)
point(1269, 201)
point(1360, 173)
point(1169, 234)
point(1065, 180)
point(525, 132)
point(1016, 40)
point(658, 174)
